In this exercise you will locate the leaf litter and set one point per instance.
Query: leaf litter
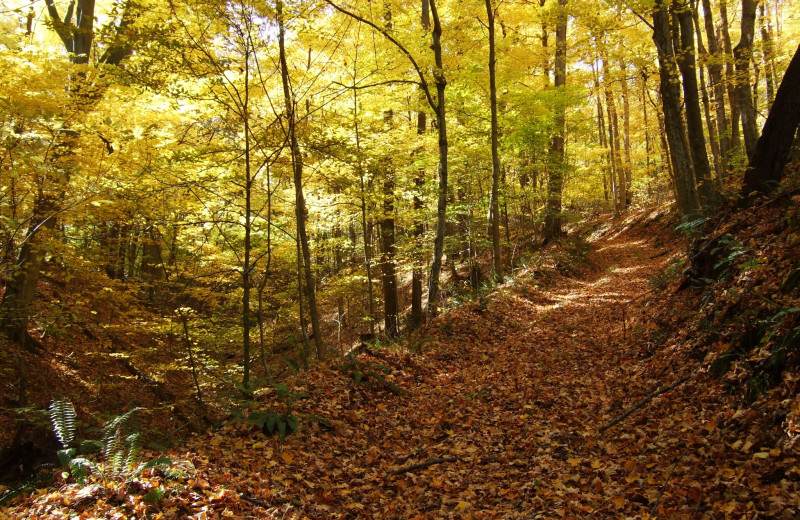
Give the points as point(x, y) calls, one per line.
point(501, 415)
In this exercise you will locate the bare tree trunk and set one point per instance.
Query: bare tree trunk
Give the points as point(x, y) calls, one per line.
point(494, 205)
point(730, 76)
point(300, 204)
point(441, 209)
point(417, 313)
point(713, 138)
point(694, 118)
point(555, 185)
point(388, 269)
point(718, 86)
point(766, 167)
point(602, 140)
point(617, 172)
point(767, 51)
point(685, 191)
point(743, 54)
point(626, 125)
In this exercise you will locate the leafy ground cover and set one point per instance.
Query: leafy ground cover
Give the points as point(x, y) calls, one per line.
point(586, 392)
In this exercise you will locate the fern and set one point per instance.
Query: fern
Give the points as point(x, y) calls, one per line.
point(62, 415)
point(121, 448)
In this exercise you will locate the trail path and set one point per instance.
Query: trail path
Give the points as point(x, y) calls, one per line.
point(502, 412)
point(500, 417)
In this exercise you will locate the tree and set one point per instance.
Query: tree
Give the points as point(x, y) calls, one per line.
point(86, 87)
point(438, 105)
point(765, 170)
point(687, 64)
point(555, 184)
point(743, 55)
point(684, 182)
point(494, 205)
point(301, 212)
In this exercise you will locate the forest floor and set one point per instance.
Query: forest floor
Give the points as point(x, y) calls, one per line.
point(499, 409)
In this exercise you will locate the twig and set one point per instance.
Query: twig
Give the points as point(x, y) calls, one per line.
point(663, 488)
point(255, 501)
point(425, 464)
point(646, 400)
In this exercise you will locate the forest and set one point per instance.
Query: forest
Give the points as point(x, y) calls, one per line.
point(389, 259)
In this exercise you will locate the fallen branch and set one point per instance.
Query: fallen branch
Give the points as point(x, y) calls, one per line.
point(663, 488)
point(425, 464)
point(646, 400)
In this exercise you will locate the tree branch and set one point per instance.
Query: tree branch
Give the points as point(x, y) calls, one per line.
point(423, 83)
point(378, 84)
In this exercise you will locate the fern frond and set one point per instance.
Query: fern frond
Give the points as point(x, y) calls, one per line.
point(119, 447)
point(62, 416)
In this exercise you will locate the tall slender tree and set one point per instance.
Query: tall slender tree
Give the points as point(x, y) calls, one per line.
point(494, 204)
point(301, 212)
point(555, 184)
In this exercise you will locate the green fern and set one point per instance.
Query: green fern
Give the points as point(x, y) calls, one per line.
point(120, 446)
point(62, 415)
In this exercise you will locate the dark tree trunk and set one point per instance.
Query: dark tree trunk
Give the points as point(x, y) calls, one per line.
point(718, 86)
point(301, 213)
point(730, 75)
point(441, 207)
point(417, 314)
point(765, 170)
point(685, 191)
point(742, 54)
point(555, 184)
point(617, 172)
point(388, 268)
point(694, 117)
point(494, 204)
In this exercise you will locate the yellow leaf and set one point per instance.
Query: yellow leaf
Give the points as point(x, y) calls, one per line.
point(287, 457)
point(462, 506)
point(574, 462)
point(618, 501)
point(761, 455)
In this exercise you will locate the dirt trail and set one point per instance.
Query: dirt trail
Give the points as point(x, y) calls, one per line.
point(501, 415)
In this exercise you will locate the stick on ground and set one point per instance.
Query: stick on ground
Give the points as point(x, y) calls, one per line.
point(425, 464)
point(644, 401)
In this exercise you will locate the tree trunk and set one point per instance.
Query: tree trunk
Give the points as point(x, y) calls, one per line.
point(767, 52)
point(494, 205)
point(617, 173)
point(555, 185)
point(388, 268)
point(301, 213)
point(730, 76)
point(685, 191)
point(601, 132)
point(626, 125)
point(441, 208)
point(694, 117)
point(742, 54)
point(765, 170)
point(718, 86)
point(417, 313)
point(248, 224)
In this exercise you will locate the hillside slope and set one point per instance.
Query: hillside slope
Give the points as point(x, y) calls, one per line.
point(580, 390)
